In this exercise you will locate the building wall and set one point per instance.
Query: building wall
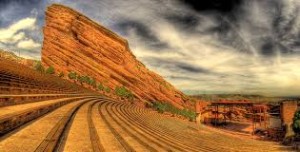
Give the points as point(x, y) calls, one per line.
point(275, 122)
point(288, 109)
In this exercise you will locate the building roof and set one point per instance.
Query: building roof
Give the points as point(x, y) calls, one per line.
point(232, 102)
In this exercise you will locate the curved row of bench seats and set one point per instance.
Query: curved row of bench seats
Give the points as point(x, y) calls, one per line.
point(20, 84)
point(19, 79)
point(171, 135)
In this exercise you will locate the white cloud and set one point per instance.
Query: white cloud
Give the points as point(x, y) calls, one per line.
point(11, 34)
point(28, 44)
point(17, 37)
point(231, 70)
point(26, 23)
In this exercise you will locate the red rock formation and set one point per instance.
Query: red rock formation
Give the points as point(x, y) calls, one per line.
point(12, 57)
point(73, 42)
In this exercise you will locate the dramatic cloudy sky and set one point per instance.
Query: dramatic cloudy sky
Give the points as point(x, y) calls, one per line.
point(217, 46)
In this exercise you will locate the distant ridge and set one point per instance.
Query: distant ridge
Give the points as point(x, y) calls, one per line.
point(12, 57)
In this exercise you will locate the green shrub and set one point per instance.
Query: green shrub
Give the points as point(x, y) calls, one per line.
point(39, 67)
point(72, 75)
point(50, 70)
point(296, 122)
point(160, 107)
point(80, 79)
point(100, 86)
point(167, 107)
point(107, 89)
point(93, 82)
point(86, 79)
point(123, 92)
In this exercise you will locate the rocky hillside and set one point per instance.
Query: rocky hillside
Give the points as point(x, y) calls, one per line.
point(73, 42)
point(12, 57)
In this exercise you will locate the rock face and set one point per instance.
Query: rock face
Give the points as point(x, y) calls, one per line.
point(73, 42)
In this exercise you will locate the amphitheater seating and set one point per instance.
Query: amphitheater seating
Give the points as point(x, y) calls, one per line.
point(40, 112)
point(19, 79)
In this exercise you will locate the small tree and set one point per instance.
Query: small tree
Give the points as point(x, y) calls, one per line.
point(296, 122)
point(86, 79)
point(160, 107)
point(107, 89)
point(72, 75)
point(80, 79)
point(50, 70)
point(39, 67)
point(100, 87)
point(123, 92)
point(93, 82)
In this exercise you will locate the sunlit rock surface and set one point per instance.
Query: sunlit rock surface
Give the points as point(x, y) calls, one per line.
point(73, 42)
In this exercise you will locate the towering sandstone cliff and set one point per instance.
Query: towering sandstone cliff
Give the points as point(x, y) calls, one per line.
point(73, 42)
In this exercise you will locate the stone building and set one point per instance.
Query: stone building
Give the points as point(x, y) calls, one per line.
point(287, 111)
